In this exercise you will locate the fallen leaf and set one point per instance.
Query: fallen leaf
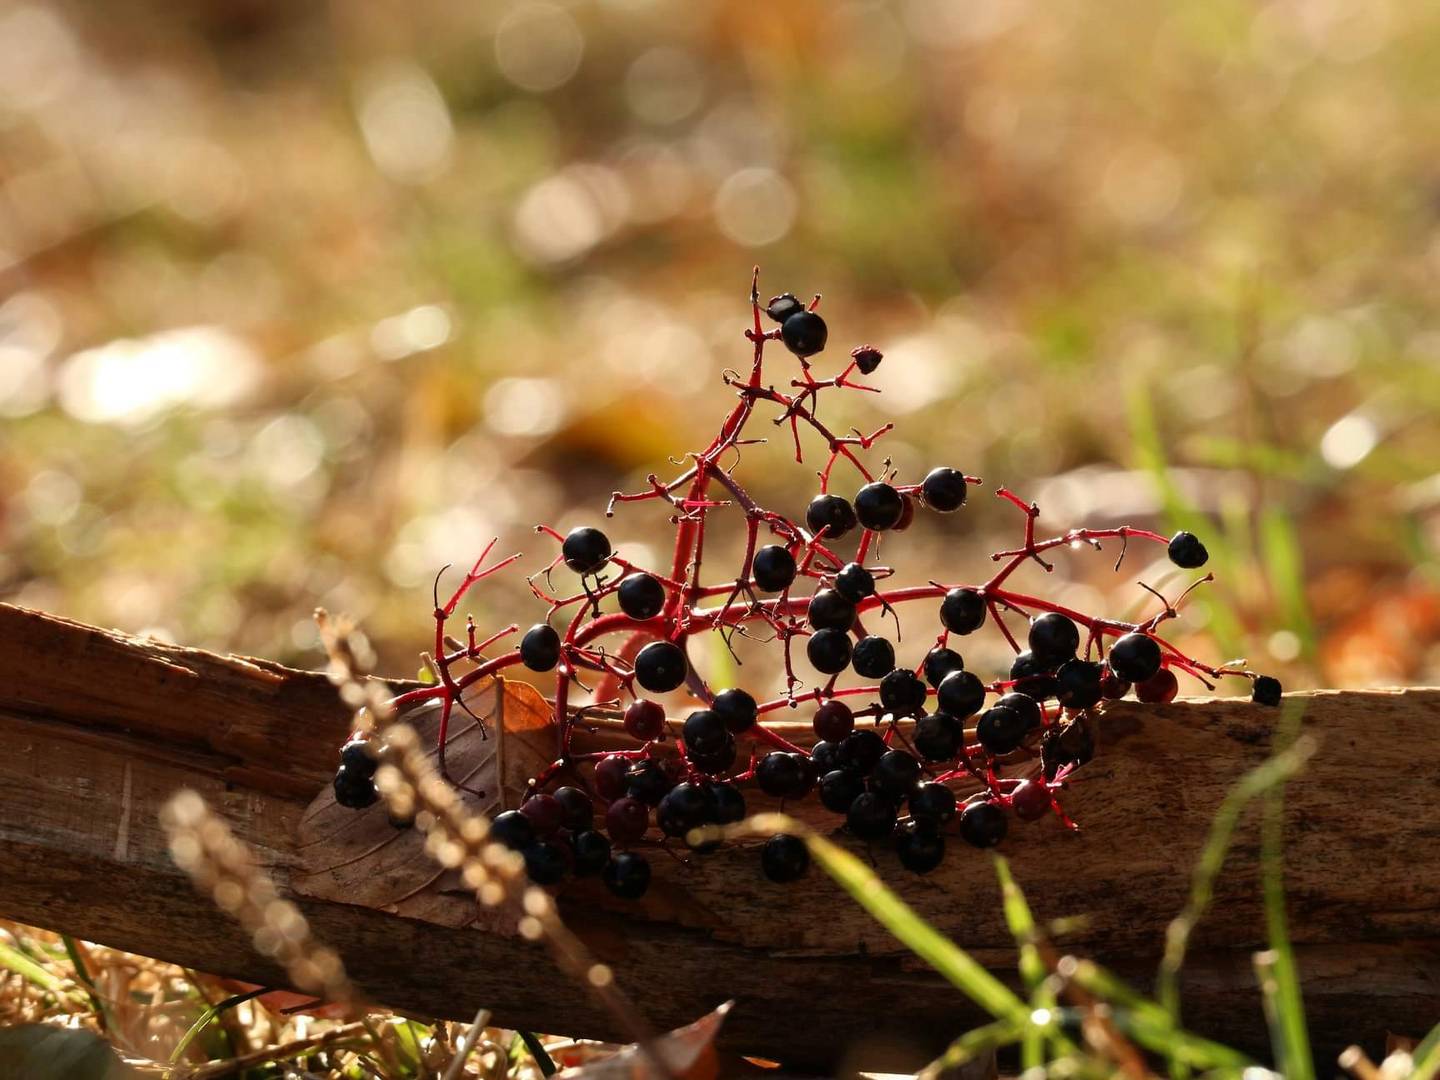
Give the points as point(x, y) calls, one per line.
point(688, 1052)
point(358, 857)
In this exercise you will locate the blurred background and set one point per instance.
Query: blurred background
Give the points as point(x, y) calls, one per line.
point(300, 302)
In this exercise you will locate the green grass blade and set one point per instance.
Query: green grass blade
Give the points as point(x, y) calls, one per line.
point(1022, 925)
point(1427, 1056)
point(35, 974)
point(1285, 570)
point(207, 1018)
point(971, 1045)
point(82, 975)
point(1257, 781)
point(901, 920)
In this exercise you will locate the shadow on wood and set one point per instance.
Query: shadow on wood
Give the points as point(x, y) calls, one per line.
point(101, 728)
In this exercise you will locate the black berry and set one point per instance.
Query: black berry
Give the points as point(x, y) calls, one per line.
point(644, 719)
point(585, 550)
point(684, 807)
point(933, 803)
point(783, 306)
point(545, 813)
point(804, 333)
point(839, 788)
point(715, 761)
point(871, 816)
point(919, 846)
point(540, 647)
point(983, 824)
point(355, 756)
point(873, 658)
point(354, 790)
point(1000, 729)
point(648, 781)
point(940, 662)
point(1112, 686)
point(545, 863)
point(592, 852)
point(785, 775)
point(960, 694)
point(833, 720)
point(661, 667)
point(773, 567)
point(784, 858)
point(704, 732)
point(962, 611)
point(879, 506)
point(902, 693)
point(944, 489)
point(577, 808)
point(867, 358)
point(727, 804)
point(828, 610)
point(854, 582)
point(1266, 690)
point(513, 829)
point(1078, 683)
point(828, 651)
point(737, 709)
point(861, 750)
point(939, 737)
point(641, 596)
point(1026, 706)
point(895, 774)
point(1135, 657)
point(1187, 552)
point(627, 875)
point(1053, 638)
point(832, 513)
point(1033, 676)
point(825, 756)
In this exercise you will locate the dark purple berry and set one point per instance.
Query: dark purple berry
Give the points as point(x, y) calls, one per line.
point(785, 775)
point(902, 693)
point(627, 875)
point(1135, 657)
point(610, 777)
point(828, 651)
point(828, 610)
point(585, 550)
point(831, 513)
point(873, 658)
point(641, 596)
point(684, 807)
point(1078, 683)
point(661, 667)
point(861, 750)
point(933, 803)
point(577, 808)
point(919, 846)
point(644, 719)
point(353, 790)
point(513, 829)
point(961, 693)
point(648, 781)
point(825, 756)
point(1266, 690)
point(626, 820)
point(1186, 551)
point(540, 647)
point(727, 804)
point(895, 774)
point(940, 662)
point(773, 567)
point(1112, 686)
point(704, 732)
point(716, 761)
point(783, 306)
point(854, 582)
point(867, 358)
point(545, 863)
point(939, 737)
point(833, 720)
point(357, 757)
point(871, 816)
point(879, 506)
point(1053, 638)
point(804, 333)
point(545, 813)
point(944, 489)
point(962, 611)
point(784, 858)
point(1027, 707)
point(1159, 688)
point(592, 852)
point(983, 824)
point(737, 709)
point(1033, 676)
point(839, 788)
point(1000, 729)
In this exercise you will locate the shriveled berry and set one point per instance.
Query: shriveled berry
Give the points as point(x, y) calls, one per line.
point(626, 820)
point(727, 804)
point(1028, 708)
point(737, 708)
point(919, 846)
point(641, 595)
point(871, 816)
point(1186, 551)
point(944, 489)
point(577, 809)
point(873, 657)
point(828, 651)
point(684, 807)
point(879, 506)
point(1135, 657)
point(828, 610)
point(545, 863)
point(1053, 638)
point(804, 333)
point(939, 736)
point(704, 731)
point(1266, 690)
point(1033, 676)
point(961, 693)
point(783, 306)
point(715, 761)
point(585, 549)
point(1159, 688)
point(825, 756)
point(644, 719)
point(513, 829)
point(661, 667)
point(773, 567)
point(545, 813)
point(1030, 800)
point(1078, 683)
point(784, 858)
point(1071, 744)
point(592, 852)
point(839, 788)
point(1000, 729)
point(933, 803)
point(627, 875)
point(983, 824)
point(896, 774)
point(940, 662)
point(357, 757)
point(540, 647)
point(861, 750)
point(854, 582)
point(832, 513)
point(867, 358)
point(353, 790)
point(610, 776)
point(648, 781)
point(902, 693)
point(1112, 687)
point(833, 720)
point(962, 611)
point(785, 775)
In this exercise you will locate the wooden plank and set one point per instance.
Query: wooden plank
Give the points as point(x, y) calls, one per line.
point(106, 727)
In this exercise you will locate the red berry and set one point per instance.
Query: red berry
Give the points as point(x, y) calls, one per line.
point(1159, 688)
point(545, 813)
point(644, 720)
point(833, 721)
point(1030, 801)
point(626, 820)
point(610, 777)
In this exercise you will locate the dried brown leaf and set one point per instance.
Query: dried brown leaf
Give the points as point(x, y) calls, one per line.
point(688, 1052)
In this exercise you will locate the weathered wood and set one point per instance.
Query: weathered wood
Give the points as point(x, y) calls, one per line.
point(101, 728)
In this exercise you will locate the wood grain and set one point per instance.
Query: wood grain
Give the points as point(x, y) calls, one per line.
point(100, 728)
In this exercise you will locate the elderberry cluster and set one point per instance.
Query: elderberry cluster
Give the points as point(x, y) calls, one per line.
point(911, 753)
